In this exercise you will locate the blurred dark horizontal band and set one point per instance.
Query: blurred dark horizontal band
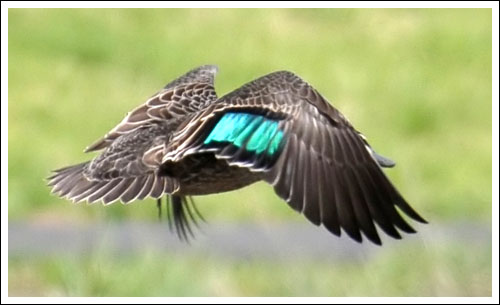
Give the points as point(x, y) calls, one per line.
point(232, 241)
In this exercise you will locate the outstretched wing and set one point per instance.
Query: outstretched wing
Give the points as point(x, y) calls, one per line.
point(186, 94)
point(127, 167)
point(282, 127)
point(71, 183)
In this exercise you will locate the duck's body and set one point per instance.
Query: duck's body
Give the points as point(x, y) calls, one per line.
point(185, 141)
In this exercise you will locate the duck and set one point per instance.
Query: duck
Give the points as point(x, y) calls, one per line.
point(186, 141)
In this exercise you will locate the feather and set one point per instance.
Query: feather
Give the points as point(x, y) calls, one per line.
point(133, 190)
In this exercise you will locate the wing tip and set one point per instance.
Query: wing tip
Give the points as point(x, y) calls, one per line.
point(95, 146)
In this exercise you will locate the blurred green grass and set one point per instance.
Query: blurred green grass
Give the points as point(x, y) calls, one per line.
point(416, 82)
point(432, 272)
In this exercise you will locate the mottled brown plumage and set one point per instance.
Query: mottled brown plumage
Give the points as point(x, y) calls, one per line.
point(176, 144)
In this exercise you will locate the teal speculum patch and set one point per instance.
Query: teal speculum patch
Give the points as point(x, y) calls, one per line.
point(257, 133)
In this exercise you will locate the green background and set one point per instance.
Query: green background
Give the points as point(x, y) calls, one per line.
point(416, 82)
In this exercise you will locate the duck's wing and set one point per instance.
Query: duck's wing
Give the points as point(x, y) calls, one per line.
point(282, 127)
point(126, 168)
point(186, 94)
point(201, 75)
point(72, 183)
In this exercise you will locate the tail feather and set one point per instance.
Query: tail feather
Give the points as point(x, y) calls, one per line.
point(181, 213)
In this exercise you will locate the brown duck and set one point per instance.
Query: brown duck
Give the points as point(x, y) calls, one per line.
point(185, 141)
